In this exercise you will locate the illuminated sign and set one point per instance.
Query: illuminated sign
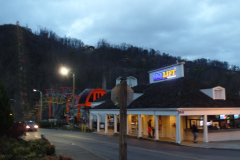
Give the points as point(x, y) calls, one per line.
point(164, 74)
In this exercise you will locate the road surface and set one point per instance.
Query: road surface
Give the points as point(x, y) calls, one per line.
point(91, 146)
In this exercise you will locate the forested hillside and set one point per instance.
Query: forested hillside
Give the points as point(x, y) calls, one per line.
point(45, 53)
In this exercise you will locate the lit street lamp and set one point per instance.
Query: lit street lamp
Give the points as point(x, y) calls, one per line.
point(34, 90)
point(65, 71)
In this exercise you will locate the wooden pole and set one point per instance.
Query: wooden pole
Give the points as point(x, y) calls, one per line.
point(40, 106)
point(50, 106)
point(73, 100)
point(123, 120)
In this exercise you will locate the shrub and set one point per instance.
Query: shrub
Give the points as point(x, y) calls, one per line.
point(19, 149)
point(64, 158)
point(42, 146)
point(50, 158)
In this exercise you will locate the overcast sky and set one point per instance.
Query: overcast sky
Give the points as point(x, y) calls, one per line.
point(188, 28)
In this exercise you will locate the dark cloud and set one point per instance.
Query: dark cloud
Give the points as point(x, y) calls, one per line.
point(190, 29)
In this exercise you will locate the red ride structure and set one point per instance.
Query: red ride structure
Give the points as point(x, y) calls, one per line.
point(88, 96)
point(50, 92)
point(69, 94)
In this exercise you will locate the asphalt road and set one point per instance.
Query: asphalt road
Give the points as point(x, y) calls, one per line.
point(90, 146)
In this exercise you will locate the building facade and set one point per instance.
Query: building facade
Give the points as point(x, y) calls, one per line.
point(173, 103)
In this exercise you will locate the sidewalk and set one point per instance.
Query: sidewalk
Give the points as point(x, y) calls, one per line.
point(214, 145)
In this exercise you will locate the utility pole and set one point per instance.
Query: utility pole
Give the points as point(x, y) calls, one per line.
point(123, 120)
point(73, 100)
point(40, 106)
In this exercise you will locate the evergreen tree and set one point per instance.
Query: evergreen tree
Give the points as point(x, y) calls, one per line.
point(6, 120)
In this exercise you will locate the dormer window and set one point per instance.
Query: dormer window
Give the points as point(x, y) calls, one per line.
point(216, 93)
point(219, 93)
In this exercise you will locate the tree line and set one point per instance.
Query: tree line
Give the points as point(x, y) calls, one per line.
point(45, 52)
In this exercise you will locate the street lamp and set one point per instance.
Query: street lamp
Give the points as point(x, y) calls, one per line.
point(13, 108)
point(64, 71)
point(34, 90)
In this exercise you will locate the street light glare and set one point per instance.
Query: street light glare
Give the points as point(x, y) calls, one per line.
point(34, 90)
point(64, 71)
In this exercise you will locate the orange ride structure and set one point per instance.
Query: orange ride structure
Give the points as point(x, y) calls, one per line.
point(88, 96)
point(84, 99)
point(69, 97)
point(50, 93)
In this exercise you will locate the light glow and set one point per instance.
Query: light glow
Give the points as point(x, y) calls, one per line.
point(35, 126)
point(172, 76)
point(64, 71)
point(27, 126)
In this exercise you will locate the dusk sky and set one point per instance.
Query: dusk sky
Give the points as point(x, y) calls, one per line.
point(191, 29)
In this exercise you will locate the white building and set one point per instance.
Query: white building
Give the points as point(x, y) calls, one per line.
point(173, 103)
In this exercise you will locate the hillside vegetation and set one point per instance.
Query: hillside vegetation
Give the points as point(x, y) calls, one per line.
point(45, 53)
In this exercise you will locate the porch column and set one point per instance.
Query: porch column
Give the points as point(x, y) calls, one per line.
point(156, 127)
point(139, 126)
point(178, 130)
point(106, 123)
point(90, 120)
point(205, 128)
point(115, 123)
point(98, 122)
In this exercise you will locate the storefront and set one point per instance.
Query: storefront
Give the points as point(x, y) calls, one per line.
point(174, 103)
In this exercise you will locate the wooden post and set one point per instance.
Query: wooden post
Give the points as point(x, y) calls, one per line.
point(123, 120)
point(50, 106)
point(40, 106)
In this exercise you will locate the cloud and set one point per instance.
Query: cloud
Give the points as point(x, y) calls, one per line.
point(190, 29)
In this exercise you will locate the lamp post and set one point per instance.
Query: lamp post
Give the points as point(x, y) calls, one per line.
point(13, 107)
point(65, 71)
point(34, 90)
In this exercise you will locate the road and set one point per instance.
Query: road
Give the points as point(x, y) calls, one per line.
point(91, 146)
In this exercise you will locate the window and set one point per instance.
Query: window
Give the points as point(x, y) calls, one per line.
point(219, 93)
point(91, 98)
point(97, 96)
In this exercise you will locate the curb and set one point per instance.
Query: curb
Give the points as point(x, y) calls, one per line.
point(141, 138)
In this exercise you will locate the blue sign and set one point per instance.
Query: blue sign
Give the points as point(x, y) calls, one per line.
point(164, 74)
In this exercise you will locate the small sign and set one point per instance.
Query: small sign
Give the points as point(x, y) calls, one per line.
point(180, 112)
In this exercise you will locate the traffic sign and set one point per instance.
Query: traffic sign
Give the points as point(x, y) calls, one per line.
point(116, 92)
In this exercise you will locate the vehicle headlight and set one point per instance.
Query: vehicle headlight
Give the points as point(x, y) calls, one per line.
point(35, 126)
point(27, 126)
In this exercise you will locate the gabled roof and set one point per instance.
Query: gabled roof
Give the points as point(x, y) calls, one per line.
point(180, 93)
point(175, 93)
point(108, 104)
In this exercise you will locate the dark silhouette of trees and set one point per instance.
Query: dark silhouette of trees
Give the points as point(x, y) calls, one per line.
point(46, 52)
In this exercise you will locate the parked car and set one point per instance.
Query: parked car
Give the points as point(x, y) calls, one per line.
point(31, 126)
